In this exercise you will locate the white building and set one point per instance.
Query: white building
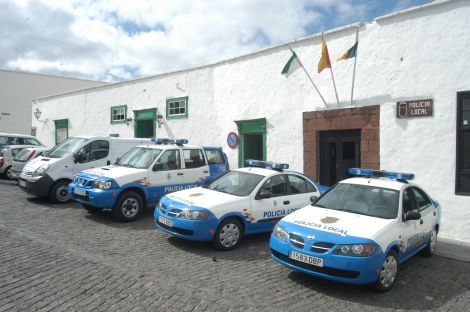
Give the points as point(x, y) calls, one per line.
point(417, 54)
point(17, 89)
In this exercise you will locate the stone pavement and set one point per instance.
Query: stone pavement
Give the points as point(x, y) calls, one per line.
point(59, 258)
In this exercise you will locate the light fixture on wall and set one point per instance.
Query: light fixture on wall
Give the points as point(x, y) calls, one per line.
point(128, 121)
point(159, 119)
point(37, 113)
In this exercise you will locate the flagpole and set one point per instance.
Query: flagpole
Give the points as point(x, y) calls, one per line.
point(332, 76)
point(310, 78)
point(355, 60)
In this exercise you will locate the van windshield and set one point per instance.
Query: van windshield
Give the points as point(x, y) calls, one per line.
point(68, 146)
point(139, 157)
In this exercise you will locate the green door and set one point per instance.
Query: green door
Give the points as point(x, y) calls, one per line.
point(144, 123)
point(252, 135)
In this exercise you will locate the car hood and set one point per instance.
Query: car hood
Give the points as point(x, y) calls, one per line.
point(115, 172)
point(337, 222)
point(203, 197)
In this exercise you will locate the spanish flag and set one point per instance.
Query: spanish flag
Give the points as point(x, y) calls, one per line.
point(324, 61)
point(349, 53)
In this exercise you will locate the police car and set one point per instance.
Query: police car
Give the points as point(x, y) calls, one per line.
point(146, 173)
point(361, 230)
point(244, 201)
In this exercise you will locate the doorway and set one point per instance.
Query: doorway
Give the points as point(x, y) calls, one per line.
point(339, 151)
point(252, 134)
point(144, 123)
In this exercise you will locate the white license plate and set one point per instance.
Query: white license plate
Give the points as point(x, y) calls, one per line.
point(22, 183)
point(165, 221)
point(306, 258)
point(79, 192)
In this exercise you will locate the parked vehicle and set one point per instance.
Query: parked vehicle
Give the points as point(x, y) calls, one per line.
point(25, 156)
point(361, 230)
point(18, 139)
point(244, 201)
point(7, 153)
point(145, 174)
point(48, 176)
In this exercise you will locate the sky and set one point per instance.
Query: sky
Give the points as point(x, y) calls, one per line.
point(117, 40)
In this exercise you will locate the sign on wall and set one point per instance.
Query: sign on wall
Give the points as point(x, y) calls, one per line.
point(418, 108)
point(232, 140)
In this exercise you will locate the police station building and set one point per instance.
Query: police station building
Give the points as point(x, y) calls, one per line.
point(410, 111)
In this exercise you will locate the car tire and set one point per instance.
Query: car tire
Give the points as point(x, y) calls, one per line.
point(388, 273)
point(90, 209)
point(228, 235)
point(59, 192)
point(128, 207)
point(8, 173)
point(430, 248)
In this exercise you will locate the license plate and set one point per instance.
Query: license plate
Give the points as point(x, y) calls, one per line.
point(22, 183)
point(306, 258)
point(165, 221)
point(79, 192)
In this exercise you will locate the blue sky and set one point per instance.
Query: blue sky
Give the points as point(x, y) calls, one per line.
point(117, 40)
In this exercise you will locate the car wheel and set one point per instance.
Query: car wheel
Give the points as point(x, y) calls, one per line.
point(430, 248)
point(59, 192)
point(8, 173)
point(128, 207)
point(90, 209)
point(228, 235)
point(388, 273)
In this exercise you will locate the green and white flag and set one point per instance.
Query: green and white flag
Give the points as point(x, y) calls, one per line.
point(292, 65)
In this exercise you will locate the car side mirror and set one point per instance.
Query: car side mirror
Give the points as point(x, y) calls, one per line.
point(313, 199)
point(157, 167)
point(264, 194)
point(412, 215)
point(75, 158)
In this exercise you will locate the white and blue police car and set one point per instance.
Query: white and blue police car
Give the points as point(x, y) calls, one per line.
point(360, 230)
point(241, 202)
point(145, 174)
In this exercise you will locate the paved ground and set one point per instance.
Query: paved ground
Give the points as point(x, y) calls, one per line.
point(58, 257)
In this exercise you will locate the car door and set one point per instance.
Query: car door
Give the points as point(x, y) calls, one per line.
point(299, 190)
point(410, 236)
point(165, 175)
point(196, 169)
point(94, 154)
point(267, 211)
point(428, 214)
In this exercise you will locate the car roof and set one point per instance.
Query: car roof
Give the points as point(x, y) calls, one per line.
point(19, 146)
point(377, 182)
point(168, 146)
point(267, 172)
point(16, 135)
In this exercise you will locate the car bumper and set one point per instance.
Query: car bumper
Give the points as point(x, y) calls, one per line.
point(37, 186)
point(94, 197)
point(353, 270)
point(196, 230)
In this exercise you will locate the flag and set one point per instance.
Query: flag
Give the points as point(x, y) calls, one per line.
point(349, 53)
point(292, 65)
point(324, 61)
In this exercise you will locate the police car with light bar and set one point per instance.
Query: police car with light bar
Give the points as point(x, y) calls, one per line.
point(241, 202)
point(145, 174)
point(361, 230)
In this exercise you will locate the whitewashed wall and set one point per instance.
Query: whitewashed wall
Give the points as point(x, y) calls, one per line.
point(421, 53)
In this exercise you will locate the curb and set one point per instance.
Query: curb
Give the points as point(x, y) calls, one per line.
point(453, 249)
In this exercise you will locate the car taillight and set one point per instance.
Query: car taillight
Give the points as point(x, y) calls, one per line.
point(31, 155)
point(1, 161)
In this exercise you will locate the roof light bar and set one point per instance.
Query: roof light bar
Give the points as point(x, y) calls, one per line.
point(265, 164)
point(169, 141)
point(381, 173)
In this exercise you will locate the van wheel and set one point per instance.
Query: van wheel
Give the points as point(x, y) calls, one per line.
point(228, 235)
point(60, 193)
point(90, 209)
point(128, 207)
point(388, 272)
point(8, 173)
point(430, 248)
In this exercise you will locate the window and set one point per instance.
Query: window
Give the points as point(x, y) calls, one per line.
point(93, 151)
point(61, 130)
point(170, 160)
point(299, 185)
point(421, 199)
point(214, 157)
point(177, 108)
point(193, 158)
point(139, 157)
point(407, 204)
point(31, 141)
point(118, 114)
point(462, 185)
point(276, 185)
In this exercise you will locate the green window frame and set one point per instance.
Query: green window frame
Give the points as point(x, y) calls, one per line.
point(118, 114)
point(177, 108)
point(61, 130)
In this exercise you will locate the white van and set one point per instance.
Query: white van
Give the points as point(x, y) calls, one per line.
point(49, 176)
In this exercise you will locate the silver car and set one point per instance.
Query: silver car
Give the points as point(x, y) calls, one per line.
point(7, 153)
point(25, 156)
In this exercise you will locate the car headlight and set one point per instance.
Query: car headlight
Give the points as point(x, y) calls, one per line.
point(358, 250)
point(280, 233)
point(41, 170)
point(102, 185)
point(194, 214)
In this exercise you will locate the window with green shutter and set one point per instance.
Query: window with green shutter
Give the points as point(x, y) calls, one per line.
point(177, 108)
point(118, 114)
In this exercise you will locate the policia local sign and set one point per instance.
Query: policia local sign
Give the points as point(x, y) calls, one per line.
point(418, 108)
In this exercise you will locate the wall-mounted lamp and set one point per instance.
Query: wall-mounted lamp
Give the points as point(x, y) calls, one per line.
point(128, 121)
point(37, 113)
point(159, 120)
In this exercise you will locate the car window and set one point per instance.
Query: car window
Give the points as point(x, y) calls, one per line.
point(299, 185)
point(15, 151)
point(214, 157)
point(421, 199)
point(407, 202)
point(3, 140)
point(23, 155)
point(13, 141)
point(95, 150)
point(276, 185)
point(31, 141)
point(170, 160)
point(193, 158)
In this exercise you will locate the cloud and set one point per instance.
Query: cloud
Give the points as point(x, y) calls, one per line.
point(120, 39)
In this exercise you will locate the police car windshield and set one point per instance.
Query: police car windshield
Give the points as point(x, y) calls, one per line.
point(236, 183)
point(66, 147)
point(361, 199)
point(139, 157)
